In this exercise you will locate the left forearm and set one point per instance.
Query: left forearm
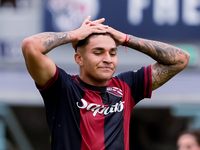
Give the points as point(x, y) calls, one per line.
point(161, 52)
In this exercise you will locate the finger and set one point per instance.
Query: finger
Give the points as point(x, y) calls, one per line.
point(103, 27)
point(98, 25)
point(109, 30)
point(99, 20)
point(87, 20)
point(98, 31)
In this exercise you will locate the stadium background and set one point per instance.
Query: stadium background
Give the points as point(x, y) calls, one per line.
point(155, 123)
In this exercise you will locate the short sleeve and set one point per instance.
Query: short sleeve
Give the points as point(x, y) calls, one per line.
point(52, 94)
point(139, 81)
point(50, 82)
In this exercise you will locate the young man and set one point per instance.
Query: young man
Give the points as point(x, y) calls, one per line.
point(91, 111)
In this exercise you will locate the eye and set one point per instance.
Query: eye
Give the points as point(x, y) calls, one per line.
point(113, 53)
point(97, 53)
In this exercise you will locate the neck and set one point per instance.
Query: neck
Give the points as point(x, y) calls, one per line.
point(92, 81)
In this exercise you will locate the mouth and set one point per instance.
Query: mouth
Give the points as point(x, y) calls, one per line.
point(106, 68)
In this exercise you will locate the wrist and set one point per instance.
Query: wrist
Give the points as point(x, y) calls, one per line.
point(127, 39)
point(72, 36)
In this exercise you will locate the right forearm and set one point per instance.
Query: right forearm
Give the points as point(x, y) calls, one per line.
point(46, 41)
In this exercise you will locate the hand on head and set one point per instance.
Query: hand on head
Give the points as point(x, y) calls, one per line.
point(88, 27)
point(118, 36)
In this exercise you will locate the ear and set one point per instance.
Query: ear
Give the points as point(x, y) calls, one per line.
point(79, 59)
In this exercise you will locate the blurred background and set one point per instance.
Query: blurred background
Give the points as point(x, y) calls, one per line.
point(155, 123)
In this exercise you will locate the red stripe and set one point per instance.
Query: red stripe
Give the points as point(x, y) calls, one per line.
point(150, 82)
point(51, 81)
point(145, 81)
point(92, 129)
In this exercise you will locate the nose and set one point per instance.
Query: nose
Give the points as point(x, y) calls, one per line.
point(107, 58)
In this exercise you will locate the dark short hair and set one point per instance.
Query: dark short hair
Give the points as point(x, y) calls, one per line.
point(85, 41)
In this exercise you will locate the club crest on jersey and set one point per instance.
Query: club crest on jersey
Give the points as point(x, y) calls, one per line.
point(115, 91)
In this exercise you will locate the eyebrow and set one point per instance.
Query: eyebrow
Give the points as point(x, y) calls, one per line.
point(100, 48)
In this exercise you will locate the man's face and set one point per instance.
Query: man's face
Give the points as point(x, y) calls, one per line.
point(187, 142)
point(99, 60)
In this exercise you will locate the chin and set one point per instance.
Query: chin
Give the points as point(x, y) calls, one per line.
point(106, 76)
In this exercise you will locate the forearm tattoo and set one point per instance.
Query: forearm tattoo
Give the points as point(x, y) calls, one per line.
point(162, 73)
point(170, 59)
point(51, 40)
point(161, 52)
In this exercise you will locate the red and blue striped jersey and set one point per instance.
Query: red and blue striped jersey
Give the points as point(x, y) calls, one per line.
point(85, 117)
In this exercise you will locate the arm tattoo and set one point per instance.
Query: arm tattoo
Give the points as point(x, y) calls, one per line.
point(51, 40)
point(162, 73)
point(161, 52)
point(170, 60)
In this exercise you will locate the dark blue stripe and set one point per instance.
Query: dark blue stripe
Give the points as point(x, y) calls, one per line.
point(114, 131)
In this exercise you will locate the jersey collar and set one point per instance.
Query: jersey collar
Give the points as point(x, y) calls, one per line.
point(91, 87)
